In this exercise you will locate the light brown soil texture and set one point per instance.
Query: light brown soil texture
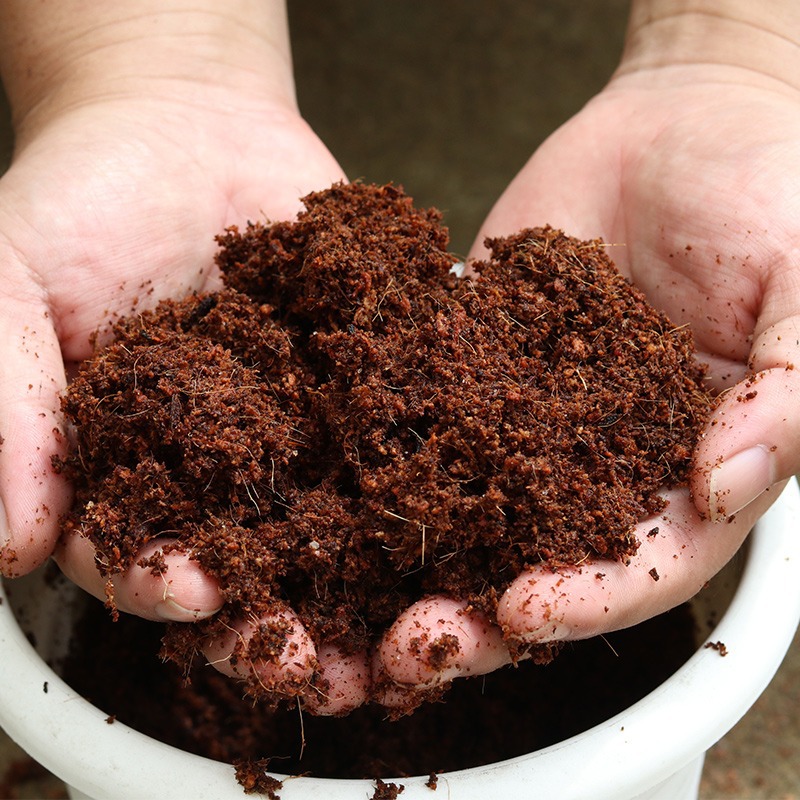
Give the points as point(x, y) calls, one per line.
point(347, 426)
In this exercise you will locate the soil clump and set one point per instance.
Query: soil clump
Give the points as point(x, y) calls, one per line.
point(348, 426)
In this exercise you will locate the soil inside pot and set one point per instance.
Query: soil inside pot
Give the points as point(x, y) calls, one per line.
point(347, 426)
point(482, 720)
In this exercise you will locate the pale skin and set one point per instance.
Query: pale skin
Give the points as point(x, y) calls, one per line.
point(686, 163)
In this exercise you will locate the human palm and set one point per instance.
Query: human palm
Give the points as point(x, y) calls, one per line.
point(696, 186)
point(117, 204)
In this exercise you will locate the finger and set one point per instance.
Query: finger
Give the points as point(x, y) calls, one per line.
point(722, 374)
point(400, 699)
point(753, 439)
point(181, 592)
point(32, 495)
point(274, 651)
point(342, 682)
point(438, 639)
point(679, 552)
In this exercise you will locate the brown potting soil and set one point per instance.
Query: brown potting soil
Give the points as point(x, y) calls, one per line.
point(511, 712)
point(347, 426)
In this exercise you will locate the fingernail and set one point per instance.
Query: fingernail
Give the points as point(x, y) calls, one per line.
point(5, 535)
point(551, 632)
point(170, 611)
point(739, 479)
point(6, 557)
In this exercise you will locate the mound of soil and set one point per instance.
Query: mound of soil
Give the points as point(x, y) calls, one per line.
point(348, 426)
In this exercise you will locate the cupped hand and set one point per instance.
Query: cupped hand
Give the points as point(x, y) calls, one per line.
point(690, 174)
point(109, 206)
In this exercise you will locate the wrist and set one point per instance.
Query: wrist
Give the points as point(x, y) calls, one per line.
point(760, 41)
point(62, 54)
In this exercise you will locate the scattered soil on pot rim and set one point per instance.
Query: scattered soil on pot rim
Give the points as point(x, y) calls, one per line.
point(347, 426)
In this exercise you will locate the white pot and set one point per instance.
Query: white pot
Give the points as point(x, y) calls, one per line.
point(654, 749)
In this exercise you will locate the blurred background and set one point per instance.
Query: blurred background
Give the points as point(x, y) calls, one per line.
point(449, 99)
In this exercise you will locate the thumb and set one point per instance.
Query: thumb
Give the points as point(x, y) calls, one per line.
point(752, 441)
point(32, 495)
point(563, 185)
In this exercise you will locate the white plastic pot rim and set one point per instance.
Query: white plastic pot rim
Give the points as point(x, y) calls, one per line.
point(620, 758)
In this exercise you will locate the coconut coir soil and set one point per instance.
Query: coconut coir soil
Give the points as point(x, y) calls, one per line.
point(347, 426)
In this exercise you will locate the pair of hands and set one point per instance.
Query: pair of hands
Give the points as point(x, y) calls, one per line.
point(112, 202)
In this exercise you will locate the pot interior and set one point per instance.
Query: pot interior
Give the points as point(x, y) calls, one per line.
point(116, 666)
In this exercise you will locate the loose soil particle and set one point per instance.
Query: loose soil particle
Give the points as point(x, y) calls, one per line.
point(720, 647)
point(347, 426)
point(254, 779)
point(387, 791)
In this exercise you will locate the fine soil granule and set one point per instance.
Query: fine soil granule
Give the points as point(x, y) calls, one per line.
point(349, 426)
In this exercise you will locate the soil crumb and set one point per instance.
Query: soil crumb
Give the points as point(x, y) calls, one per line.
point(387, 791)
point(253, 777)
point(720, 647)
